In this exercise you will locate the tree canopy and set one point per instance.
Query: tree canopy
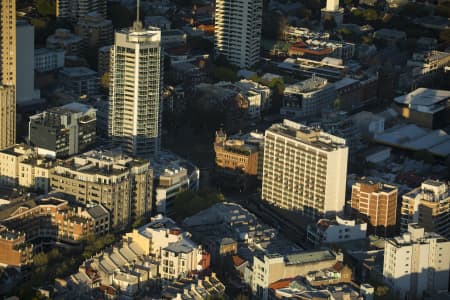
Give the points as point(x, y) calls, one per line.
point(188, 203)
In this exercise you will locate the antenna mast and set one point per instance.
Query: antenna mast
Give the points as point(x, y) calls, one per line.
point(137, 25)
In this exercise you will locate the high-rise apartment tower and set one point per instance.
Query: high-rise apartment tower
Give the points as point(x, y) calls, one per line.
point(135, 90)
point(238, 26)
point(8, 73)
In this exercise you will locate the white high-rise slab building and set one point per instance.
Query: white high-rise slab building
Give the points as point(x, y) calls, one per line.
point(304, 169)
point(135, 90)
point(416, 262)
point(238, 25)
point(332, 10)
point(25, 91)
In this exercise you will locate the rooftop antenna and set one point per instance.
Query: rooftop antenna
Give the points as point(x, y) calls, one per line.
point(137, 25)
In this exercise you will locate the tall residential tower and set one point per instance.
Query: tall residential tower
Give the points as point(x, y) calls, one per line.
point(135, 90)
point(238, 26)
point(8, 73)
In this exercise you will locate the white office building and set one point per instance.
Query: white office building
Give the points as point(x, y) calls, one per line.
point(135, 90)
point(238, 25)
point(416, 262)
point(304, 169)
point(332, 10)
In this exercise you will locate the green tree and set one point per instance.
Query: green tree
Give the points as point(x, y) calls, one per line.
point(189, 203)
point(382, 291)
point(277, 84)
point(46, 8)
point(40, 259)
point(225, 74)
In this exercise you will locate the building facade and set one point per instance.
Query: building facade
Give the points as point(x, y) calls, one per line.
point(172, 176)
point(268, 269)
point(236, 154)
point(52, 218)
point(304, 169)
point(64, 39)
point(376, 203)
point(46, 60)
point(21, 166)
point(95, 31)
point(429, 206)
point(136, 91)
point(307, 98)
point(80, 82)
point(25, 91)
point(416, 262)
point(74, 9)
point(123, 185)
point(14, 250)
point(8, 74)
point(104, 59)
point(238, 25)
point(338, 230)
point(63, 131)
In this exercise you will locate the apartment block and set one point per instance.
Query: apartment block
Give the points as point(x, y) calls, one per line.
point(136, 90)
point(428, 206)
point(80, 82)
point(63, 131)
point(46, 60)
point(238, 25)
point(376, 203)
point(104, 59)
point(416, 262)
point(181, 258)
point(21, 166)
point(64, 39)
point(304, 169)
point(75, 9)
point(308, 98)
point(122, 184)
point(172, 248)
point(95, 30)
point(14, 250)
point(54, 219)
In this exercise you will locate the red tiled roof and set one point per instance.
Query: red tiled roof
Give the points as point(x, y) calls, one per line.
point(338, 266)
point(282, 283)
point(237, 260)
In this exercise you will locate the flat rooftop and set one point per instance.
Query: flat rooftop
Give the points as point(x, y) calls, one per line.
point(424, 97)
point(308, 257)
point(312, 136)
